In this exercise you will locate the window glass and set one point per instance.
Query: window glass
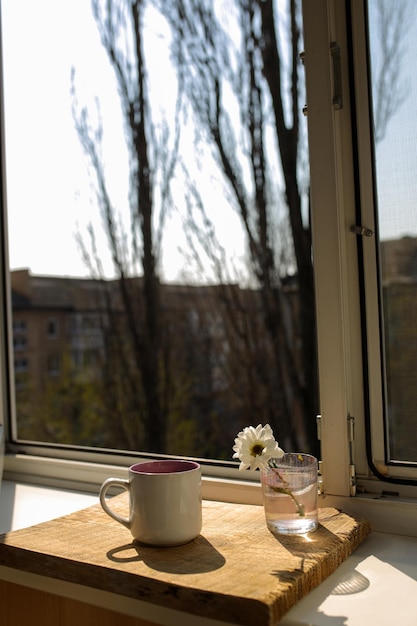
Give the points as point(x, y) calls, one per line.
point(158, 184)
point(394, 90)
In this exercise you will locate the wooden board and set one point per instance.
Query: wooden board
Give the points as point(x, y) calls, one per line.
point(235, 571)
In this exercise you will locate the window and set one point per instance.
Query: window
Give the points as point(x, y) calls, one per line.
point(201, 317)
point(348, 243)
point(53, 364)
point(21, 373)
point(19, 327)
point(187, 310)
point(20, 343)
point(20, 339)
point(21, 365)
point(396, 220)
point(387, 247)
point(52, 328)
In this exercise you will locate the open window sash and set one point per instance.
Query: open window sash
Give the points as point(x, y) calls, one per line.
point(373, 198)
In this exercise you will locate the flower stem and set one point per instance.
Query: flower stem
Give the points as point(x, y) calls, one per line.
point(299, 507)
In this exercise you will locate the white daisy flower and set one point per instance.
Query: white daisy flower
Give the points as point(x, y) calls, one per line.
point(254, 447)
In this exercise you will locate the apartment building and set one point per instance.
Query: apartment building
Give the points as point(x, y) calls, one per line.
point(54, 318)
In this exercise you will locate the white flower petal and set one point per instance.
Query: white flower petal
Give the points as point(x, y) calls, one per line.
point(255, 446)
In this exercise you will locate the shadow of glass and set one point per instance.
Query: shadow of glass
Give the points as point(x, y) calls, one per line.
point(308, 545)
point(305, 547)
point(196, 557)
point(352, 582)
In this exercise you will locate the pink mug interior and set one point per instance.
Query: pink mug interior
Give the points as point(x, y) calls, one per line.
point(167, 466)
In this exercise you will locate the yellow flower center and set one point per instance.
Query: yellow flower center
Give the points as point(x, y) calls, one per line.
point(257, 449)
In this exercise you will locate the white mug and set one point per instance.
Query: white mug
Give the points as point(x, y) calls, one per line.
point(164, 502)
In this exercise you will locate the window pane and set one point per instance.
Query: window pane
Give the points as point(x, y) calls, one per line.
point(159, 243)
point(392, 37)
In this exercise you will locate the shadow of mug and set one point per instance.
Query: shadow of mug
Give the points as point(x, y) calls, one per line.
point(196, 557)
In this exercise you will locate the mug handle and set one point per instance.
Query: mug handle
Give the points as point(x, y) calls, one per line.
point(118, 482)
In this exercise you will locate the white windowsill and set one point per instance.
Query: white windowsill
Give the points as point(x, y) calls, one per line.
point(394, 515)
point(377, 584)
point(23, 505)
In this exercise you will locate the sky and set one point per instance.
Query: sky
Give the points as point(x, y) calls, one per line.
point(50, 197)
point(56, 201)
point(396, 155)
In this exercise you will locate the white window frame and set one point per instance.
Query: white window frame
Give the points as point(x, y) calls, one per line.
point(340, 357)
point(338, 322)
point(338, 317)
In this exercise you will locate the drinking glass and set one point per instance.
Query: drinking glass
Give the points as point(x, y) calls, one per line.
point(289, 491)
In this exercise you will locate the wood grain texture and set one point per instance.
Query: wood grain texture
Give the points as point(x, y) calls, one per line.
point(20, 606)
point(235, 571)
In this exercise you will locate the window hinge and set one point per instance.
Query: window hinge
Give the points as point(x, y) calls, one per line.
point(320, 468)
point(318, 423)
point(352, 469)
point(363, 231)
point(302, 57)
point(320, 479)
point(337, 75)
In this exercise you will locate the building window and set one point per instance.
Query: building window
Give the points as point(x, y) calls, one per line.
point(19, 335)
point(52, 328)
point(20, 343)
point(53, 364)
point(21, 365)
point(19, 327)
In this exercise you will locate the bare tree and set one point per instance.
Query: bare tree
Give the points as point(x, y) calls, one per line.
point(245, 89)
point(151, 165)
point(388, 85)
point(240, 90)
